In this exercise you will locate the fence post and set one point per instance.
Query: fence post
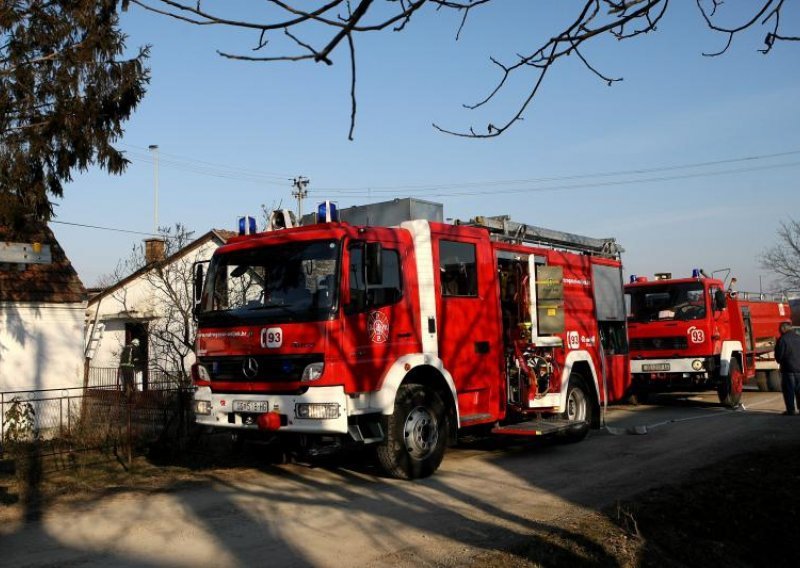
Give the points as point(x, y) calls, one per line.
point(130, 435)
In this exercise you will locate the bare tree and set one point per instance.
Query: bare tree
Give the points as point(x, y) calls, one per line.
point(171, 330)
point(784, 258)
point(315, 30)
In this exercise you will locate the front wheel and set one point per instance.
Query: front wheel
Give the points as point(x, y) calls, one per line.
point(729, 388)
point(579, 410)
point(416, 434)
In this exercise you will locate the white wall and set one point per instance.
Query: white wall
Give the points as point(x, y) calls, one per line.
point(41, 345)
point(141, 300)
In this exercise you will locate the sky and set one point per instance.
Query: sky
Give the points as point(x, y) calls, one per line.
point(690, 161)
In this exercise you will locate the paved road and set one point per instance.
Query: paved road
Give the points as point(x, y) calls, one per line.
point(485, 496)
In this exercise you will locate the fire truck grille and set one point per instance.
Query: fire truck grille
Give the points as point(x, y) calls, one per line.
point(658, 343)
point(259, 368)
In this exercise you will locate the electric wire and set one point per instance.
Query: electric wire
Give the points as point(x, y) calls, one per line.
point(115, 229)
point(431, 190)
point(428, 188)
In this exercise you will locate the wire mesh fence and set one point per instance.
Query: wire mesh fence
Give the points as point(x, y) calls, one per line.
point(103, 416)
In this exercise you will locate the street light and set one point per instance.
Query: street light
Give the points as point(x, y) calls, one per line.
point(154, 149)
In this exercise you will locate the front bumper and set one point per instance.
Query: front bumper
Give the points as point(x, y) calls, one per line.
point(224, 410)
point(685, 365)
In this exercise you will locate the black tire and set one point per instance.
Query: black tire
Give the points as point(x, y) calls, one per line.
point(774, 381)
point(639, 396)
point(729, 389)
point(762, 380)
point(416, 434)
point(580, 409)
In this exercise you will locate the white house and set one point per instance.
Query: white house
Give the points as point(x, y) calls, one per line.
point(153, 305)
point(42, 306)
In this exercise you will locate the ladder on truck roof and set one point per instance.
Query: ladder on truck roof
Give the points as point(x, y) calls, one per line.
point(762, 296)
point(503, 229)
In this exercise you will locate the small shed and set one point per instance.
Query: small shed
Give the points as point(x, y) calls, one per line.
point(42, 307)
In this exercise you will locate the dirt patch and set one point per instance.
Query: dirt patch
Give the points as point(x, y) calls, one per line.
point(740, 512)
point(743, 511)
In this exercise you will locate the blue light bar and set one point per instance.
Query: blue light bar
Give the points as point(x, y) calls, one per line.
point(327, 212)
point(247, 225)
point(695, 273)
point(633, 278)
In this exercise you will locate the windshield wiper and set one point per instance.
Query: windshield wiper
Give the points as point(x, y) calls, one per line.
point(283, 307)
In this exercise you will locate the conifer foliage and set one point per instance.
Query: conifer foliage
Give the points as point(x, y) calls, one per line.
point(66, 88)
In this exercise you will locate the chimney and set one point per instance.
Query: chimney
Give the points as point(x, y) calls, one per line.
point(154, 250)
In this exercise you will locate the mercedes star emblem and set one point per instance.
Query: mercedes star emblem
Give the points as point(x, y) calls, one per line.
point(250, 368)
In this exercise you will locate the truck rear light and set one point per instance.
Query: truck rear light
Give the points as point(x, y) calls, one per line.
point(312, 372)
point(200, 373)
point(317, 410)
point(202, 407)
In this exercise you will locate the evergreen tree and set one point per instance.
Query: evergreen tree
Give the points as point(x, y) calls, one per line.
point(65, 91)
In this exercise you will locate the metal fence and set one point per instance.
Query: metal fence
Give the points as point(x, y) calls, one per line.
point(103, 416)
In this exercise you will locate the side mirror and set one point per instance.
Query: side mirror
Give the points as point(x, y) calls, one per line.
point(198, 284)
point(720, 301)
point(372, 259)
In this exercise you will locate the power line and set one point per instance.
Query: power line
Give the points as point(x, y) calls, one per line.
point(616, 182)
point(521, 190)
point(212, 169)
point(83, 225)
point(356, 191)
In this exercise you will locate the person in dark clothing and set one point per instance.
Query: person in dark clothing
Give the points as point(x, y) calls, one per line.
point(787, 354)
point(128, 362)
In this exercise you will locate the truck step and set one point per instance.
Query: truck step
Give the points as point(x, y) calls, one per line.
point(539, 427)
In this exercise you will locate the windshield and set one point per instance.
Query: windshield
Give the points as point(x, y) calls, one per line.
point(668, 302)
point(287, 282)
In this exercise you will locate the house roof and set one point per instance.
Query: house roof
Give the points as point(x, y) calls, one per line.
point(56, 282)
point(220, 235)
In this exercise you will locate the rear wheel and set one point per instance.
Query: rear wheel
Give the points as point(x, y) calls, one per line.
point(416, 434)
point(729, 388)
point(762, 380)
point(580, 410)
point(774, 381)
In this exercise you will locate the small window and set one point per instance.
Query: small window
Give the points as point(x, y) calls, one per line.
point(364, 296)
point(390, 289)
point(458, 269)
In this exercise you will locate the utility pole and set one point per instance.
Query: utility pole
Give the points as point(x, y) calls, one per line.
point(154, 149)
point(300, 185)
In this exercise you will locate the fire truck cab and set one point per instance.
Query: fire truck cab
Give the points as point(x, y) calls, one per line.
point(401, 337)
point(694, 334)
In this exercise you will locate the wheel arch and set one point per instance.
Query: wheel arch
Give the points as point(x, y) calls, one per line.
point(422, 369)
point(731, 350)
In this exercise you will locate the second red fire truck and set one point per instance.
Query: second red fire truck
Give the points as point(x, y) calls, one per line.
point(402, 337)
point(694, 334)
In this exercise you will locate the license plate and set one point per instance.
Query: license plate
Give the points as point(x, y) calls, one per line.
point(258, 406)
point(655, 367)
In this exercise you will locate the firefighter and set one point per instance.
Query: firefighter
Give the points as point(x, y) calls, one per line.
point(128, 362)
point(787, 354)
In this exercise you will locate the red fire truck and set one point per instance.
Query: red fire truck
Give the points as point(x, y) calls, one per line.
point(404, 336)
point(694, 334)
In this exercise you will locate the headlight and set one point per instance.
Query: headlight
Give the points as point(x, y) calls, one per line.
point(317, 410)
point(697, 365)
point(312, 372)
point(202, 407)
